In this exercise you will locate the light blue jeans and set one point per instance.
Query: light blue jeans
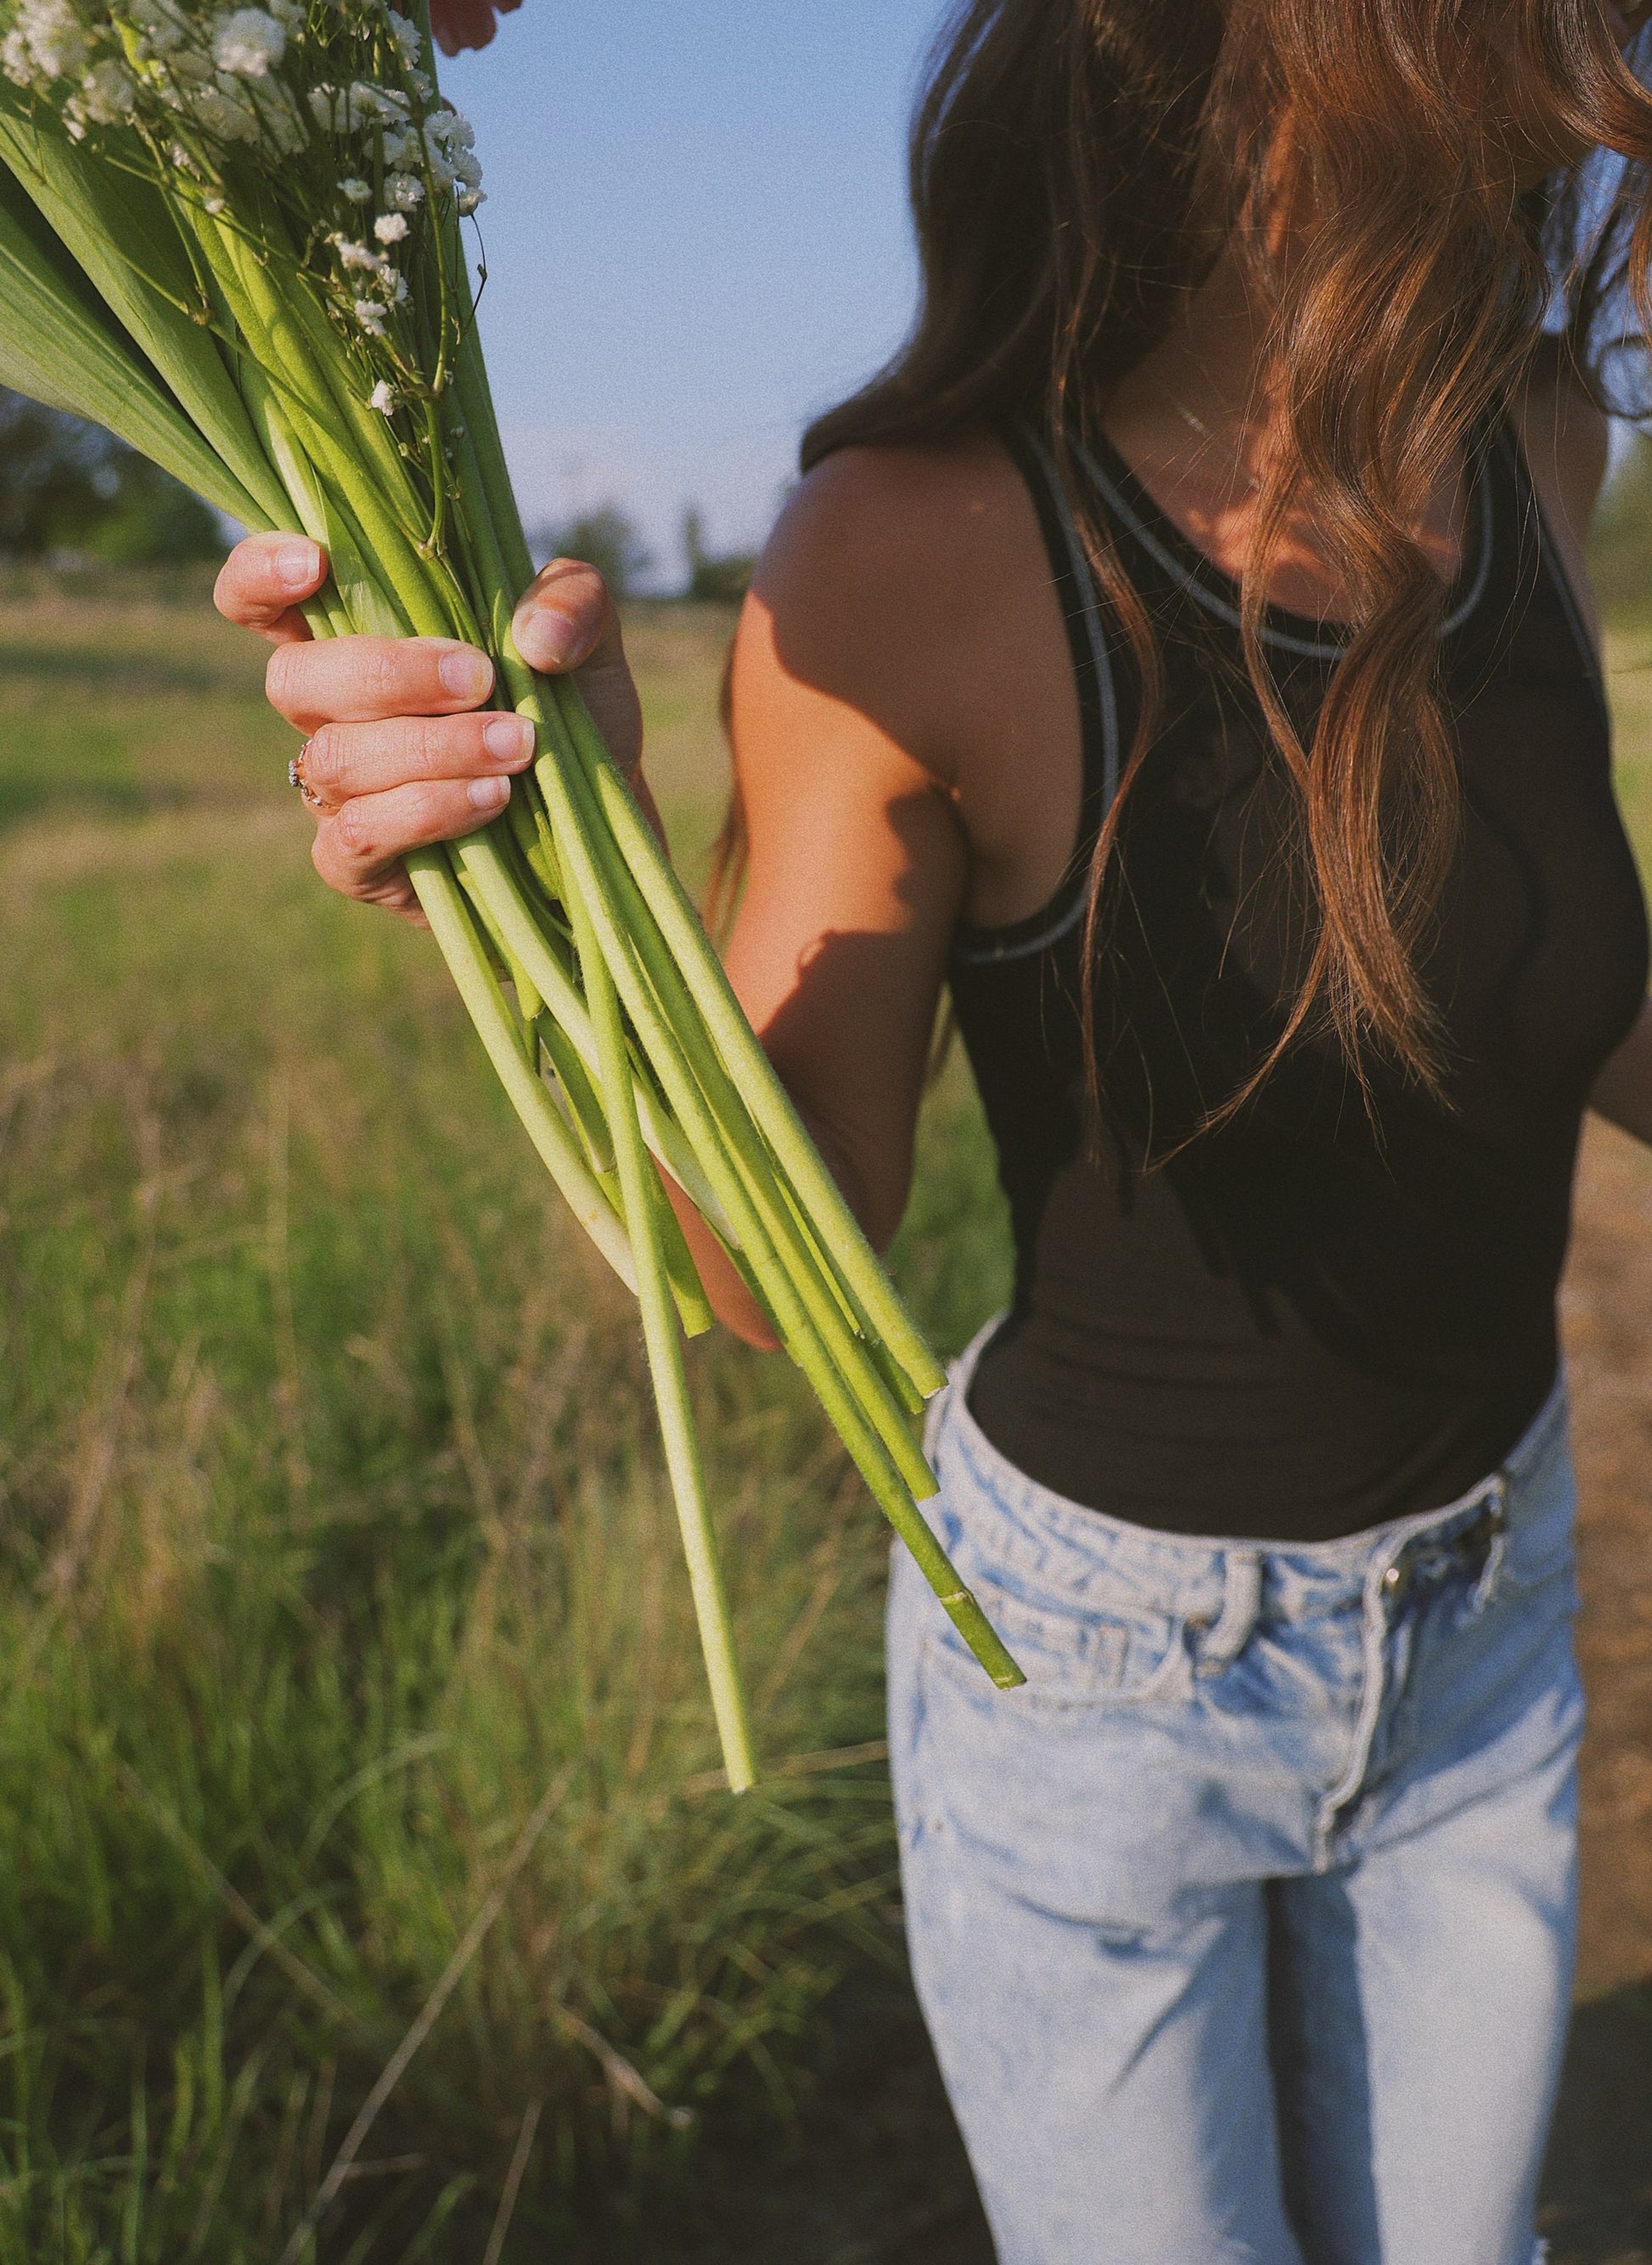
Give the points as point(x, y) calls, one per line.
point(1245, 1931)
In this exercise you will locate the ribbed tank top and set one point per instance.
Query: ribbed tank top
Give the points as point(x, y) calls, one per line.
point(1332, 1309)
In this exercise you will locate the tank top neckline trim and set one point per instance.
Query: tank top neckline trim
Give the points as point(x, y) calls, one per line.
point(1065, 908)
point(1133, 505)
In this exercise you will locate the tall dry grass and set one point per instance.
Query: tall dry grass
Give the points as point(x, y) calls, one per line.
point(353, 1750)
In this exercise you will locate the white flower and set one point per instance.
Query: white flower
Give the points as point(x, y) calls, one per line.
point(248, 43)
point(46, 41)
point(370, 314)
point(469, 200)
point(383, 396)
point(403, 191)
point(214, 205)
point(329, 108)
point(161, 28)
point(387, 104)
point(224, 111)
point(449, 151)
point(406, 37)
point(107, 93)
point(391, 227)
point(356, 192)
point(355, 255)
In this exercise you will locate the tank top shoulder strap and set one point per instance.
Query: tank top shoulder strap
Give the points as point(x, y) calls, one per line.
point(1096, 679)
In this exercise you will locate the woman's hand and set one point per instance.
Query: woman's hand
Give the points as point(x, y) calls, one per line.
point(400, 750)
point(456, 23)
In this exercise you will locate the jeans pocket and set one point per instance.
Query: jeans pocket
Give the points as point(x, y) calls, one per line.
point(1073, 1654)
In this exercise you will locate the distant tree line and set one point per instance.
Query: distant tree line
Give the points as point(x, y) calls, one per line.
point(67, 487)
point(607, 539)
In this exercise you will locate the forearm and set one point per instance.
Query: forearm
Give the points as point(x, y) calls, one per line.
point(1622, 1093)
point(726, 1291)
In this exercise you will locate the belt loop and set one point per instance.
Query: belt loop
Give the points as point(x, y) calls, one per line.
point(1497, 1526)
point(1242, 1607)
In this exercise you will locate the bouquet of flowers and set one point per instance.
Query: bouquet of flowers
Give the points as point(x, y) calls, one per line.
point(235, 237)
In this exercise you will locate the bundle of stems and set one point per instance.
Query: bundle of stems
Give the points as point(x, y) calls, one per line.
point(235, 238)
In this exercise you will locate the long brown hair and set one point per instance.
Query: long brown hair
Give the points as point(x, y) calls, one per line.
point(1075, 166)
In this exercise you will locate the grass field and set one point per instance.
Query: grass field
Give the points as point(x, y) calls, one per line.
point(335, 1542)
point(339, 1594)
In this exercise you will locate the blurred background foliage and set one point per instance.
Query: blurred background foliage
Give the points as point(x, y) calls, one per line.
point(70, 489)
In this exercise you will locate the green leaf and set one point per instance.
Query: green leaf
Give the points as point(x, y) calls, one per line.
point(114, 228)
point(61, 346)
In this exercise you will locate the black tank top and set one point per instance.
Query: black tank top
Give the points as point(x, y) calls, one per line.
point(1326, 1313)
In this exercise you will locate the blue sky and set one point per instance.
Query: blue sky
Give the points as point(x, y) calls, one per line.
point(696, 235)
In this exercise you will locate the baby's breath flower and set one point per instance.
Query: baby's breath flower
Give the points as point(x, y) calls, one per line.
point(391, 227)
point(406, 37)
point(370, 314)
point(403, 191)
point(354, 255)
point(161, 27)
point(449, 142)
point(248, 43)
point(354, 191)
point(386, 104)
point(48, 41)
point(108, 94)
point(223, 110)
point(383, 396)
point(214, 205)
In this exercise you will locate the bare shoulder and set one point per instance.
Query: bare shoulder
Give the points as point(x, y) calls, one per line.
point(904, 582)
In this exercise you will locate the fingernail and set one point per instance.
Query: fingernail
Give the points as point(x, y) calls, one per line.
point(508, 740)
point(464, 672)
point(546, 638)
point(297, 566)
point(488, 793)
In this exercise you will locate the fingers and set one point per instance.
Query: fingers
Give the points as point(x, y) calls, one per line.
point(262, 581)
point(566, 619)
point(566, 624)
point(362, 679)
point(344, 761)
point(359, 847)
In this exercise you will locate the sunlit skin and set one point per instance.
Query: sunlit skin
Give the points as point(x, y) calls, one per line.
point(905, 726)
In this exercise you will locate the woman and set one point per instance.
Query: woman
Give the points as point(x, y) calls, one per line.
point(1183, 651)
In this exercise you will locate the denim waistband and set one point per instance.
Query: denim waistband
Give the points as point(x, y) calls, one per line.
point(1197, 1574)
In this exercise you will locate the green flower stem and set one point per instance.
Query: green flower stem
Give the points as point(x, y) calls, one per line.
point(291, 318)
point(307, 394)
point(579, 851)
point(366, 606)
point(661, 1000)
point(485, 867)
point(666, 1367)
point(804, 1320)
point(443, 906)
point(767, 1099)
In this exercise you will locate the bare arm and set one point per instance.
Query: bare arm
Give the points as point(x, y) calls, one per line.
point(847, 652)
